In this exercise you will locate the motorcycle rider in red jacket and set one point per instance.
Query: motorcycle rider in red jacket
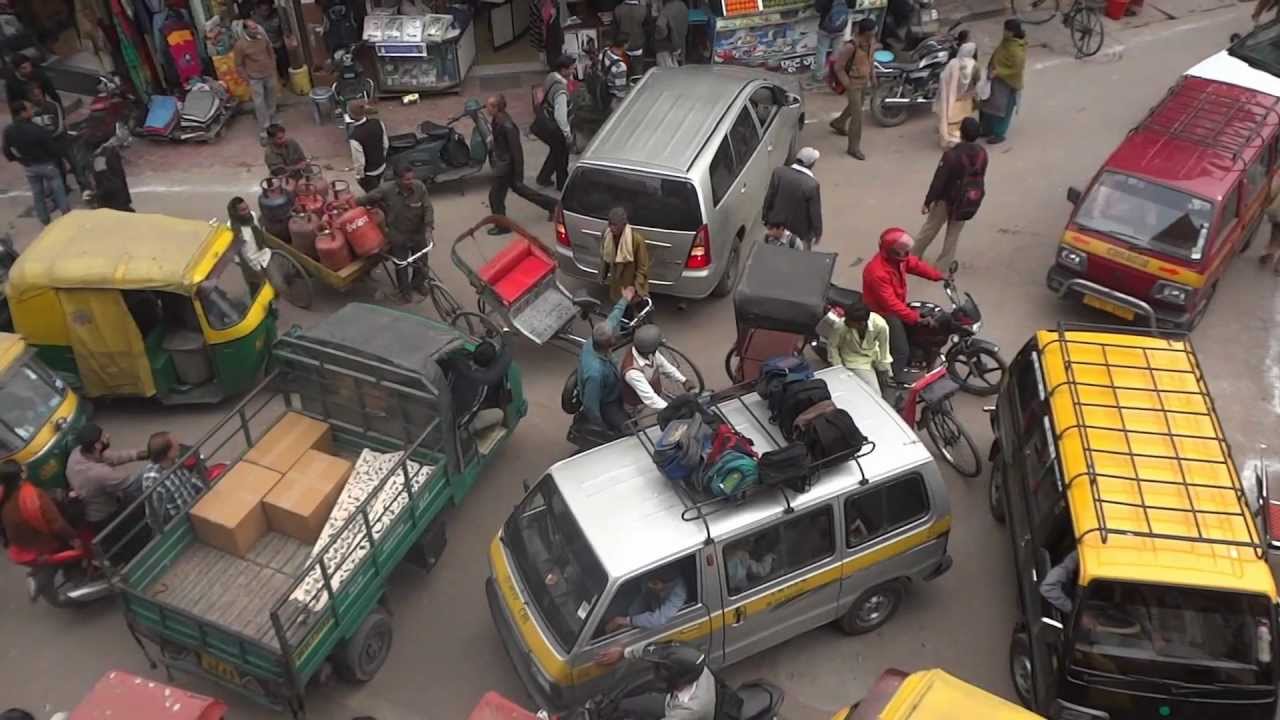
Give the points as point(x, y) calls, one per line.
point(884, 290)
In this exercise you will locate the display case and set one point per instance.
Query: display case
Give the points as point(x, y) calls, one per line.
point(422, 54)
point(780, 35)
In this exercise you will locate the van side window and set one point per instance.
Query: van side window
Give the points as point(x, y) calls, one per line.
point(883, 509)
point(774, 552)
point(1255, 177)
point(1230, 210)
point(722, 172)
point(745, 137)
point(653, 598)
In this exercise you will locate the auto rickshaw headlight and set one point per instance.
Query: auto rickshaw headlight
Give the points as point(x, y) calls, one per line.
point(1073, 258)
point(1171, 292)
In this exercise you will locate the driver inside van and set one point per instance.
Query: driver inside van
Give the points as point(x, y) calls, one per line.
point(662, 596)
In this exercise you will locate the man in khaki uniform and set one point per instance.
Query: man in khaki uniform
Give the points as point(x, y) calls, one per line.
point(853, 70)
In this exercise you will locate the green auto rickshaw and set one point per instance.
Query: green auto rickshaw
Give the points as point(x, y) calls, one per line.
point(39, 414)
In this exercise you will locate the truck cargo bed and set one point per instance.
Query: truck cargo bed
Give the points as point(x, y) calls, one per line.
point(237, 593)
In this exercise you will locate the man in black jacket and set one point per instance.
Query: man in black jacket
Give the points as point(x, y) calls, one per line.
point(962, 169)
point(475, 382)
point(508, 164)
point(794, 199)
point(33, 146)
point(368, 146)
point(25, 75)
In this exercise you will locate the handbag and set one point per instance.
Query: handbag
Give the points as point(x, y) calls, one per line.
point(984, 87)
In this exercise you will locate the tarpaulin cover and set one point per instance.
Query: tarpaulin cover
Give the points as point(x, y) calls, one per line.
point(110, 249)
point(110, 355)
point(119, 695)
point(783, 289)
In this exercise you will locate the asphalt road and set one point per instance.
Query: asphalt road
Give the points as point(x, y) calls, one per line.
point(446, 652)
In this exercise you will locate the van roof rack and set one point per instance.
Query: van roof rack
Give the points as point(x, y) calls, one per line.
point(1210, 118)
point(1198, 514)
point(700, 508)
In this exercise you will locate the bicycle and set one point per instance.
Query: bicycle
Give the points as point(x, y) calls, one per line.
point(1083, 21)
point(927, 403)
point(446, 306)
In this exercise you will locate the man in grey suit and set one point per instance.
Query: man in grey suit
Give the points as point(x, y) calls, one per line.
point(794, 199)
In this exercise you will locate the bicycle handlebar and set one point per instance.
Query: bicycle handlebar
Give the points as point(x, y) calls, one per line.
point(412, 258)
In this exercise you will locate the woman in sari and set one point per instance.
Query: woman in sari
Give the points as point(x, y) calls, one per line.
point(1005, 70)
point(958, 86)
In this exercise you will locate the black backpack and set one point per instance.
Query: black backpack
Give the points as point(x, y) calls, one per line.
point(795, 399)
point(972, 188)
point(832, 434)
point(788, 467)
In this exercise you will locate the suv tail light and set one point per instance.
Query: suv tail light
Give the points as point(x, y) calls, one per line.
point(700, 251)
point(562, 235)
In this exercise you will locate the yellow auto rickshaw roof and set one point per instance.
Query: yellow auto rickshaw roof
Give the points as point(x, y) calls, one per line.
point(935, 695)
point(119, 250)
point(11, 349)
point(1152, 488)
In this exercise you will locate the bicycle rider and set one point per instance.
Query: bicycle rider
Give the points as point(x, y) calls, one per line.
point(411, 220)
point(643, 370)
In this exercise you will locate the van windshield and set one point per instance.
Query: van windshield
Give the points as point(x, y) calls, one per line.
point(559, 568)
point(650, 201)
point(1260, 48)
point(1147, 215)
point(1177, 635)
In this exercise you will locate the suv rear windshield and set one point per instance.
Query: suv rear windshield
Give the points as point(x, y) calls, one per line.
point(650, 201)
point(1147, 215)
point(562, 573)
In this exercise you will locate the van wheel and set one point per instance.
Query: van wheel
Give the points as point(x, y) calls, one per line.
point(995, 490)
point(730, 276)
point(1020, 670)
point(1248, 238)
point(360, 657)
point(872, 609)
point(1202, 310)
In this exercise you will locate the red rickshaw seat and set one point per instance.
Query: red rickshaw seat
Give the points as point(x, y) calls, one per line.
point(516, 270)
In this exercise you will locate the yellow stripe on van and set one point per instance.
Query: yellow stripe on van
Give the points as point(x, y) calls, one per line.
point(553, 665)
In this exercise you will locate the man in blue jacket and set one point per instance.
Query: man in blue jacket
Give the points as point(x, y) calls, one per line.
point(599, 381)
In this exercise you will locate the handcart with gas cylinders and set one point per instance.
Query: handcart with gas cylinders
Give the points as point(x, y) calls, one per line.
point(779, 305)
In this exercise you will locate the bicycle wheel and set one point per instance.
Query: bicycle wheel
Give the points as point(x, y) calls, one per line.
point(951, 439)
point(978, 370)
point(1086, 31)
point(290, 280)
point(442, 300)
point(1034, 12)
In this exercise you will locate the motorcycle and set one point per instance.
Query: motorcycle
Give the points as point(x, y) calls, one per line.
point(951, 339)
point(351, 84)
point(440, 153)
point(903, 86)
point(114, 112)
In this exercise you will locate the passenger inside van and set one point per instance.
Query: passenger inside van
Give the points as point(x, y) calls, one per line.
point(749, 561)
point(664, 593)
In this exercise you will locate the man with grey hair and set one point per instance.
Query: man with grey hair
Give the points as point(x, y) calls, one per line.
point(794, 199)
point(599, 380)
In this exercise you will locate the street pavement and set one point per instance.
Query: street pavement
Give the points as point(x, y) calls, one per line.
point(446, 652)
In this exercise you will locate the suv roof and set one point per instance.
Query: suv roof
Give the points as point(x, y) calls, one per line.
point(1199, 138)
point(632, 516)
point(1148, 474)
point(666, 119)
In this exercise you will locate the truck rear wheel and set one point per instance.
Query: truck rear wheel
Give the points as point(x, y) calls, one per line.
point(360, 657)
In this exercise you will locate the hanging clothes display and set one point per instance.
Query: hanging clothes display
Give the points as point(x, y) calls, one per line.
point(132, 48)
point(178, 36)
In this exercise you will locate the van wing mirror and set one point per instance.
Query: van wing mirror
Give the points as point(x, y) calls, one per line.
point(792, 100)
point(1074, 195)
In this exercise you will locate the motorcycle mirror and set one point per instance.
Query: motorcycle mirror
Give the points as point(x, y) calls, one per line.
point(1073, 195)
point(953, 267)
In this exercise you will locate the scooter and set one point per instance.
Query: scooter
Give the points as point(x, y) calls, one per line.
point(904, 86)
point(439, 153)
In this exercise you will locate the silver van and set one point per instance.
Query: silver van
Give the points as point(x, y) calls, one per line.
point(571, 564)
point(688, 154)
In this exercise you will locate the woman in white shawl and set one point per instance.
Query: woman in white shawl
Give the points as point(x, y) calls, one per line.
point(957, 88)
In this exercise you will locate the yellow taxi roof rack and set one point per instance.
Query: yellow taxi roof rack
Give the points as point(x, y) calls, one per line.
point(1171, 375)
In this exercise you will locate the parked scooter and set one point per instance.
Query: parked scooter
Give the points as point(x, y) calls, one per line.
point(904, 86)
point(439, 153)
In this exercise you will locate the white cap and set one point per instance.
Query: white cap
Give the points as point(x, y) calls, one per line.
point(807, 156)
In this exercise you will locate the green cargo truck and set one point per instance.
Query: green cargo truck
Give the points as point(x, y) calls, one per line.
point(266, 624)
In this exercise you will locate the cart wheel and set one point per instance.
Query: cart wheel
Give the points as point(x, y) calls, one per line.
point(477, 326)
point(360, 657)
point(447, 308)
point(290, 280)
point(733, 366)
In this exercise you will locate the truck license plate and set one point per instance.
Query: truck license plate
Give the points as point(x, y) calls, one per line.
point(219, 669)
point(1109, 307)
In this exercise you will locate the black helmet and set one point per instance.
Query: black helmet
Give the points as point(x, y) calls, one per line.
point(675, 665)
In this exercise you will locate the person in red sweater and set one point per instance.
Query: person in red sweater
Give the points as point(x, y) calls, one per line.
point(884, 290)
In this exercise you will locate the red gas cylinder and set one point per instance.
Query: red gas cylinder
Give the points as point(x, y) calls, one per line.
point(302, 229)
point(362, 232)
point(342, 194)
point(332, 249)
point(308, 197)
point(315, 175)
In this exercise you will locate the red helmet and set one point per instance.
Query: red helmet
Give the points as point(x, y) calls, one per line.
point(891, 237)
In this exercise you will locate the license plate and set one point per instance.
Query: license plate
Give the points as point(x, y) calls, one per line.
point(219, 669)
point(1109, 307)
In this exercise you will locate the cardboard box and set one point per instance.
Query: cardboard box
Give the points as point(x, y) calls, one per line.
point(287, 440)
point(230, 517)
point(300, 503)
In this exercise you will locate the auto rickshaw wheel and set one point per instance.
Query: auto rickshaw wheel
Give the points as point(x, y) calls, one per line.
point(360, 657)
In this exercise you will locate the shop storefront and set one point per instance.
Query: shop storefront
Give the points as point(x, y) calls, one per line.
point(780, 35)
